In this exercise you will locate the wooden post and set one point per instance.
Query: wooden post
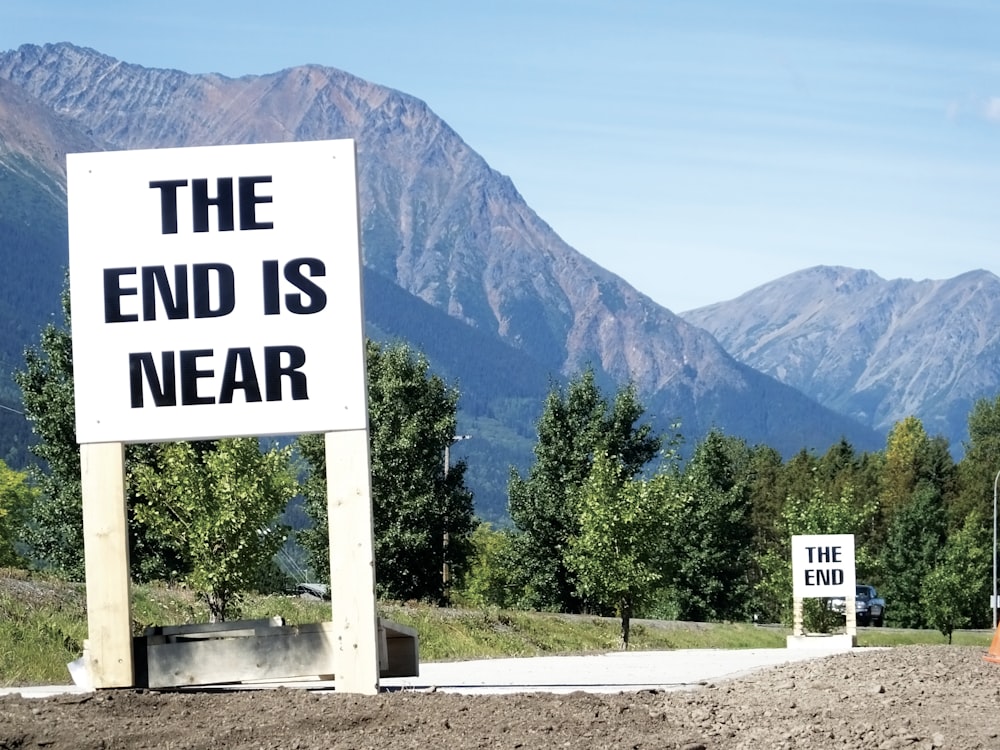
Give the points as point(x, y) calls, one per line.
point(352, 562)
point(798, 628)
point(105, 541)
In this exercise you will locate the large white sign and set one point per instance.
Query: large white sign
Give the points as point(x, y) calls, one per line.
point(823, 565)
point(216, 292)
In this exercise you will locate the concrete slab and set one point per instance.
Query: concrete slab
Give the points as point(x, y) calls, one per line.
point(45, 691)
point(614, 672)
point(620, 671)
point(825, 642)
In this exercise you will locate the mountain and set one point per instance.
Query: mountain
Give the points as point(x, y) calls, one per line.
point(445, 230)
point(874, 349)
point(33, 145)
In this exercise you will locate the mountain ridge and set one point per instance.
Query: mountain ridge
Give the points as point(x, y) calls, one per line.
point(879, 350)
point(443, 226)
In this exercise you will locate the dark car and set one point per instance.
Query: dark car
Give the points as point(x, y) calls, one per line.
point(869, 607)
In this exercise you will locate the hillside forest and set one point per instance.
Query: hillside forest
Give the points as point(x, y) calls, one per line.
point(608, 519)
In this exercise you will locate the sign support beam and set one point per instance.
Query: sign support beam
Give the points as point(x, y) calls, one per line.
point(352, 562)
point(105, 542)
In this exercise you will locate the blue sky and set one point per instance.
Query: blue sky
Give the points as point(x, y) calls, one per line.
point(697, 149)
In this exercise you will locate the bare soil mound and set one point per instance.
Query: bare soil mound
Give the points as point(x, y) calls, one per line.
point(910, 697)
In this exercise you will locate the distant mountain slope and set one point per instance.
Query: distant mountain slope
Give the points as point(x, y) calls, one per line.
point(443, 226)
point(33, 145)
point(873, 349)
point(503, 390)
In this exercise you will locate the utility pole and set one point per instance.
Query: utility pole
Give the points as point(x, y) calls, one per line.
point(445, 571)
point(995, 479)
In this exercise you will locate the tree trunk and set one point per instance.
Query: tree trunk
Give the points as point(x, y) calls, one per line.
point(217, 603)
point(626, 609)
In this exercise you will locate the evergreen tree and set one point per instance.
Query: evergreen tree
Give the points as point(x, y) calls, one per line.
point(979, 467)
point(577, 423)
point(765, 490)
point(766, 503)
point(799, 477)
point(913, 459)
point(837, 467)
point(422, 510)
point(710, 540)
point(905, 449)
point(916, 536)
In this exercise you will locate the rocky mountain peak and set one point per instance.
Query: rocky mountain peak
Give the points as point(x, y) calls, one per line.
point(879, 350)
point(440, 224)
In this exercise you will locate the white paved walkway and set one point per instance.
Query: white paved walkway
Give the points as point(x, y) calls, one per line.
point(599, 673)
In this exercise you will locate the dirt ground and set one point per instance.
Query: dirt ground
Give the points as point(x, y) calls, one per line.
point(912, 697)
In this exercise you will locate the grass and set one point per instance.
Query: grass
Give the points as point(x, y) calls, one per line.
point(892, 637)
point(43, 625)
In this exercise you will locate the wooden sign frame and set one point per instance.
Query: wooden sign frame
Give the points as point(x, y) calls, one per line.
point(290, 266)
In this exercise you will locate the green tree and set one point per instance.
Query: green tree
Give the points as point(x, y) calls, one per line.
point(16, 497)
point(837, 467)
point(904, 450)
point(912, 548)
point(576, 424)
point(912, 460)
point(491, 573)
point(799, 478)
point(711, 535)
point(220, 506)
point(416, 500)
point(617, 553)
point(54, 535)
point(815, 513)
point(765, 493)
point(820, 513)
point(766, 470)
point(979, 466)
point(956, 592)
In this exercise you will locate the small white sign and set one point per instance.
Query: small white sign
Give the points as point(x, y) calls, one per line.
point(216, 292)
point(823, 565)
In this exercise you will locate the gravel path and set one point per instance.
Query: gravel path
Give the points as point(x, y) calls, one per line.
point(909, 697)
